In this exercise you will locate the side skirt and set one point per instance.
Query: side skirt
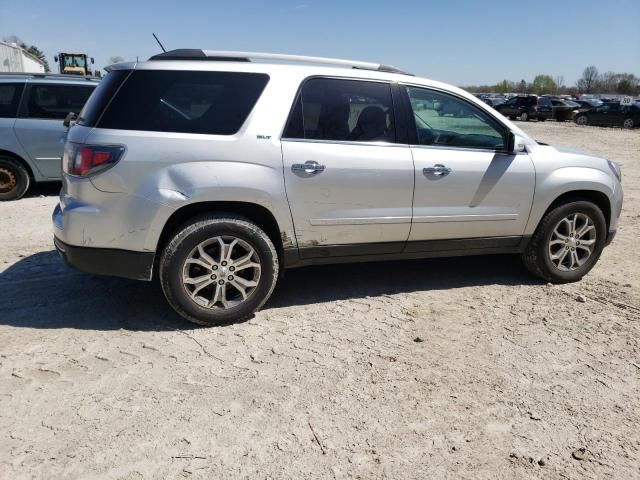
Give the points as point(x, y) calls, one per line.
point(372, 252)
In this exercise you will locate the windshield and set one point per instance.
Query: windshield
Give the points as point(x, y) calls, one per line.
point(74, 61)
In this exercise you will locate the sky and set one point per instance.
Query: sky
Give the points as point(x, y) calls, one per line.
point(461, 42)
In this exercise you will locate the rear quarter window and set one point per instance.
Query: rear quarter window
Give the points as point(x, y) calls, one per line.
point(215, 103)
point(10, 94)
point(101, 96)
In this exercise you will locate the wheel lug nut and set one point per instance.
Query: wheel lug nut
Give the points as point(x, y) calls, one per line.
point(224, 264)
point(215, 267)
point(221, 282)
point(230, 277)
point(231, 269)
point(213, 277)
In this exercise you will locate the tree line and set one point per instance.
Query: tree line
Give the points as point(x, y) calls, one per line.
point(591, 81)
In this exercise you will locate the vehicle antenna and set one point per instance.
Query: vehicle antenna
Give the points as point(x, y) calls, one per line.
point(154, 36)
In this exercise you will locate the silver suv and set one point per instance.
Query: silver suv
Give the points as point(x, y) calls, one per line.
point(32, 109)
point(214, 171)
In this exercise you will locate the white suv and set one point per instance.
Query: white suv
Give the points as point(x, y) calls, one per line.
point(214, 171)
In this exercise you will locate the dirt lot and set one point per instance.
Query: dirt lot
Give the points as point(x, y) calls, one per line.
point(448, 368)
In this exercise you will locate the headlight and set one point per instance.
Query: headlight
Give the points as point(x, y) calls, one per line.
point(615, 168)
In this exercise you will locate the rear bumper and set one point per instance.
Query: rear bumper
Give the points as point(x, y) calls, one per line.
point(107, 261)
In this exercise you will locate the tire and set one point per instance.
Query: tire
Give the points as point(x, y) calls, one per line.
point(581, 120)
point(537, 254)
point(524, 117)
point(628, 123)
point(184, 245)
point(541, 119)
point(14, 179)
point(512, 117)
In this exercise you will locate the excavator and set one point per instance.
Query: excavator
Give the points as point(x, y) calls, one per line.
point(74, 63)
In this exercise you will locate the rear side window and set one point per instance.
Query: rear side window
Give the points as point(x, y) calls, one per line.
point(10, 98)
point(545, 102)
point(101, 96)
point(343, 110)
point(215, 103)
point(56, 101)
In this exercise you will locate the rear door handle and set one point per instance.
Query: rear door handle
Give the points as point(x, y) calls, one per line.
point(438, 170)
point(308, 167)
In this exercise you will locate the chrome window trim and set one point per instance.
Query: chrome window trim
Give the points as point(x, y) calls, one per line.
point(345, 142)
point(464, 149)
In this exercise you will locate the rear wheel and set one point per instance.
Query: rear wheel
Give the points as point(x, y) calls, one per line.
point(218, 270)
point(582, 120)
point(541, 119)
point(628, 123)
point(567, 243)
point(14, 179)
point(524, 116)
point(512, 117)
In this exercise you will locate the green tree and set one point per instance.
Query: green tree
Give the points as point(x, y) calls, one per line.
point(504, 86)
point(543, 84)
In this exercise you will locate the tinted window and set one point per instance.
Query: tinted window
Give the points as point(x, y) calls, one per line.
point(101, 96)
point(56, 101)
point(445, 120)
point(9, 99)
point(343, 110)
point(184, 101)
point(545, 102)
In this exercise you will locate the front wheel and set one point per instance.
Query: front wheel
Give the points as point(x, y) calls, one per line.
point(567, 243)
point(14, 179)
point(218, 270)
point(582, 120)
point(628, 123)
point(524, 116)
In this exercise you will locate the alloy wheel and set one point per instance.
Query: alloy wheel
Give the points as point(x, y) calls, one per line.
point(628, 123)
point(221, 272)
point(572, 242)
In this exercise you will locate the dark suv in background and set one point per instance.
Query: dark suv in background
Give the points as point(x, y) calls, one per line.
point(527, 107)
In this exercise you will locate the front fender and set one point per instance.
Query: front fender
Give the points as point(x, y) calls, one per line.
point(563, 180)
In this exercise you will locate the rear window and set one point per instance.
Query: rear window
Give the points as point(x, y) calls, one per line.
point(51, 101)
point(9, 99)
point(214, 103)
point(100, 97)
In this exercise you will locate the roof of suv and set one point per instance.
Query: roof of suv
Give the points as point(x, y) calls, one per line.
point(272, 63)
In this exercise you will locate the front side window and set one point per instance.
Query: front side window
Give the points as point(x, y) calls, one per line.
point(215, 103)
point(56, 101)
point(445, 120)
point(343, 110)
point(9, 98)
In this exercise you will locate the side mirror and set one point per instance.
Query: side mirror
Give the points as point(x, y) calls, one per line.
point(55, 59)
point(71, 117)
point(514, 144)
point(92, 61)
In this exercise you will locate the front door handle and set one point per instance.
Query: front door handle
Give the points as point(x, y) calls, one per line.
point(308, 167)
point(438, 170)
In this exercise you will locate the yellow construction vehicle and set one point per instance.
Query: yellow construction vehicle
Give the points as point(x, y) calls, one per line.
point(73, 63)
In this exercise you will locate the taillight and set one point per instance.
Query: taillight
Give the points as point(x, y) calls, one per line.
point(84, 160)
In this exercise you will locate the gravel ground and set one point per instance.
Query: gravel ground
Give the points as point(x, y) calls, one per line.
point(444, 368)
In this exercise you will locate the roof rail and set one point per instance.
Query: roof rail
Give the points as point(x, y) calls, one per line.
point(54, 75)
point(234, 56)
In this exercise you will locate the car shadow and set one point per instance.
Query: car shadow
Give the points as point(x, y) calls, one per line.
point(44, 189)
point(40, 291)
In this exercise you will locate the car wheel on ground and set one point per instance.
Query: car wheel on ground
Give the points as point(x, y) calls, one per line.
point(582, 120)
point(567, 243)
point(628, 123)
point(512, 117)
point(541, 119)
point(524, 116)
point(218, 269)
point(14, 179)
